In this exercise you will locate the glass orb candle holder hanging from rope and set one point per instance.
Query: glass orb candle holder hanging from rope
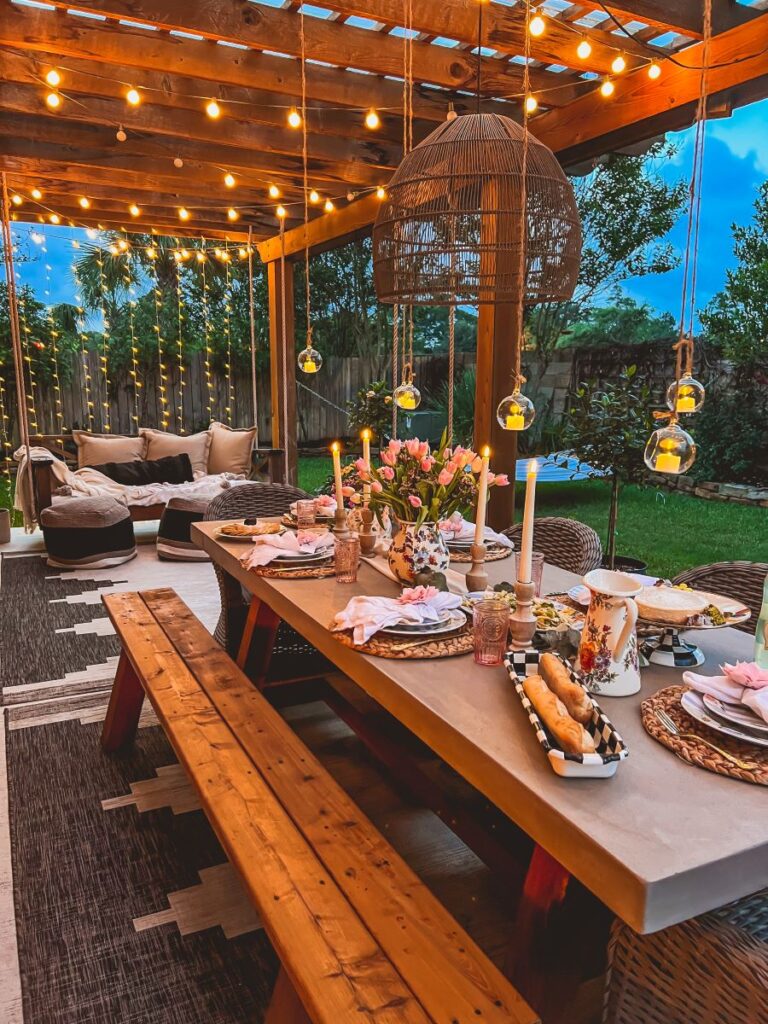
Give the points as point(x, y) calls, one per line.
point(310, 360)
point(670, 450)
point(448, 232)
point(516, 411)
point(407, 396)
point(685, 395)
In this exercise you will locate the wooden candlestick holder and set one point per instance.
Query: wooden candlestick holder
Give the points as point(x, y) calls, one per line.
point(522, 621)
point(477, 577)
point(340, 526)
point(367, 536)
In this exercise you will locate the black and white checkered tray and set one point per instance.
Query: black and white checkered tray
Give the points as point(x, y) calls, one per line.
point(611, 748)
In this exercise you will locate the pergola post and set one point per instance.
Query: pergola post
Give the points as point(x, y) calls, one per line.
point(282, 365)
point(496, 337)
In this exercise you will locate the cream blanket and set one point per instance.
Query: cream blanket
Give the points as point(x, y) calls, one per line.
point(90, 483)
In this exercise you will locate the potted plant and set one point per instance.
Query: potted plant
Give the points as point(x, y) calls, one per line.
point(421, 487)
point(607, 428)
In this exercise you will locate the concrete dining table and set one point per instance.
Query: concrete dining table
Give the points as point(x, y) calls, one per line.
point(658, 843)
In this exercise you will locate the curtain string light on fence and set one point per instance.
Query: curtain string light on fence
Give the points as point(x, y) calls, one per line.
point(83, 335)
point(207, 338)
point(128, 278)
point(180, 319)
point(27, 340)
point(230, 405)
point(5, 434)
point(106, 420)
point(161, 367)
point(54, 334)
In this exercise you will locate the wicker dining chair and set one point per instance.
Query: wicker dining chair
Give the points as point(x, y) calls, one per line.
point(291, 655)
point(712, 969)
point(565, 543)
point(743, 581)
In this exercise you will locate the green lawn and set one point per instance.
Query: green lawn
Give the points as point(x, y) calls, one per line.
point(669, 531)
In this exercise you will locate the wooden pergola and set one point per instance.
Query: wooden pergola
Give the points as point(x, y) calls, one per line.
point(180, 54)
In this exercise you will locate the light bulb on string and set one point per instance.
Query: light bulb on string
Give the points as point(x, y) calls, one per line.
point(537, 25)
point(515, 412)
point(607, 88)
point(55, 218)
point(120, 134)
point(183, 213)
point(53, 78)
point(685, 395)
point(584, 49)
point(122, 245)
point(134, 210)
point(670, 450)
point(229, 180)
point(200, 256)
point(294, 118)
point(36, 194)
point(531, 104)
point(53, 100)
point(232, 214)
point(381, 192)
point(16, 200)
point(84, 202)
point(407, 396)
point(213, 110)
point(372, 120)
point(328, 206)
point(281, 212)
point(619, 64)
point(314, 197)
point(178, 162)
point(654, 70)
point(274, 192)
point(133, 97)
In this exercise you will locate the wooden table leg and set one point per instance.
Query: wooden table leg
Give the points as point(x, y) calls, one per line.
point(285, 1007)
point(258, 640)
point(124, 709)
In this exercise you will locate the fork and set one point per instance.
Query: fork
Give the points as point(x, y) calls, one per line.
point(670, 726)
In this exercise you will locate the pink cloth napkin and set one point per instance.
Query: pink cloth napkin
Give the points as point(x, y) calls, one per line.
point(458, 528)
point(366, 615)
point(743, 683)
point(271, 545)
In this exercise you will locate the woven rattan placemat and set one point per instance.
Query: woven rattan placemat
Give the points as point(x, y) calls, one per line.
point(306, 572)
point(493, 553)
point(688, 748)
point(400, 647)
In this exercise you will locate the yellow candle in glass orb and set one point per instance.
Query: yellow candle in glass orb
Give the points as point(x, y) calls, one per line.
point(515, 421)
point(686, 403)
point(407, 401)
point(310, 366)
point(666, 462)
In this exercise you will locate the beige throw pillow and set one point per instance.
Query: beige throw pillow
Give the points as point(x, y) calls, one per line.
point(230, 449)
point(160, 444)
point(96, 449)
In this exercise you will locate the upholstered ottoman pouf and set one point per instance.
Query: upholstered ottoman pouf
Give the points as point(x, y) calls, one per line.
point(91, 533)
point(173, 535)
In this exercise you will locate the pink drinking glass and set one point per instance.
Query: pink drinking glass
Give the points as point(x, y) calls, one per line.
point(347, 558)
point(490, 625)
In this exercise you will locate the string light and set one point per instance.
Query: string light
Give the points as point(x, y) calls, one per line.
point(654, 70)
point(537, 26)
point(27, 341)
point(314, 197)
point(53, 78)
point(151, 252)
point(161, 367)
point(232, 213)
point(183, 213)
point(54, 218)
point(134, 210)
point(208, 350)
point(200, 256)
point(228, 332)
point(281, 211)
point(619, 64)
point(105, 340)
point(120, 134)
point(5, 432)
point(178, 162)
point(531, 104)
point(53, 100)
point(58, 413)
point(133, 96)
point(212, 109)
point(381, 192)
point(372, 120)
point(122, 245)
point(294, 118)
point(16, 200)
point(134, 372)
point(84, 351)
point(229, 180)
point(328, 206)
point(607, 88)
point(36, 194)
point(180, 346)
point(84, 203)
point(274, 192)
point(584, 49)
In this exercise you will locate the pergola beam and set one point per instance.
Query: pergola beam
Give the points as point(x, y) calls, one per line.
point(684, 16)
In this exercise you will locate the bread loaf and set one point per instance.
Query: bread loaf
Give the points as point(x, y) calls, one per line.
point(569, 735)
point(574, 696)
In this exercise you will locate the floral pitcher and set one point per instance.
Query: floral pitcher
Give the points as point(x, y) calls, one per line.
point(415, 548)
point(607, 656)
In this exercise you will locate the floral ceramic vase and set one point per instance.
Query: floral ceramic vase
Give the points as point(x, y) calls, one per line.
point(607, 659)
point(415, 548)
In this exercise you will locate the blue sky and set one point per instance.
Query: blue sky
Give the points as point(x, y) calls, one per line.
point(736, 162)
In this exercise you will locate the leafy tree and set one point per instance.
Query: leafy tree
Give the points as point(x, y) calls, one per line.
point(624, 323)
point(737, 317)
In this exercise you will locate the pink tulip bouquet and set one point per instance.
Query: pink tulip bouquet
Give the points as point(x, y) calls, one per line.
point(420, 486)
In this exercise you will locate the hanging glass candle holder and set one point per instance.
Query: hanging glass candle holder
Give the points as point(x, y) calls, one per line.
point(670, 450)
point(407, 397)
point(515, 412)
point(310, 360)
point(685, 395)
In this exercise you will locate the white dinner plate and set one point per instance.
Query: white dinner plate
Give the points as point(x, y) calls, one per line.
point(694, 705)
point(456, 619)
point(303, 556)
point(736, 713)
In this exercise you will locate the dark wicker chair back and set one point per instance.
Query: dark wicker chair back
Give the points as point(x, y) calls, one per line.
point(743, 581)
point(257, 499)
point(565, 543)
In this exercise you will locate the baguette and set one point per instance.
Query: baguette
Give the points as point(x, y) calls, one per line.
point(571, 737)
point(573, 695)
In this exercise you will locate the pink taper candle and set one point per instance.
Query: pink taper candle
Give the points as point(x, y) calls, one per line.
point(526, 543)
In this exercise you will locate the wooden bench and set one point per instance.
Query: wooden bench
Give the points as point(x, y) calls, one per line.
point(359, 936)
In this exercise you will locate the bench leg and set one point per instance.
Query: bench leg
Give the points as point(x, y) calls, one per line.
point(285, 1006)
point(260, 626)
point(124, 709)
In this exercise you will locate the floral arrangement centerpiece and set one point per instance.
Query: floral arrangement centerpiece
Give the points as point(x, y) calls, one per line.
point(420, 488)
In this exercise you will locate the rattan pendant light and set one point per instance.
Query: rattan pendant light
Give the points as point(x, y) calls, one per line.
point(449, 231)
